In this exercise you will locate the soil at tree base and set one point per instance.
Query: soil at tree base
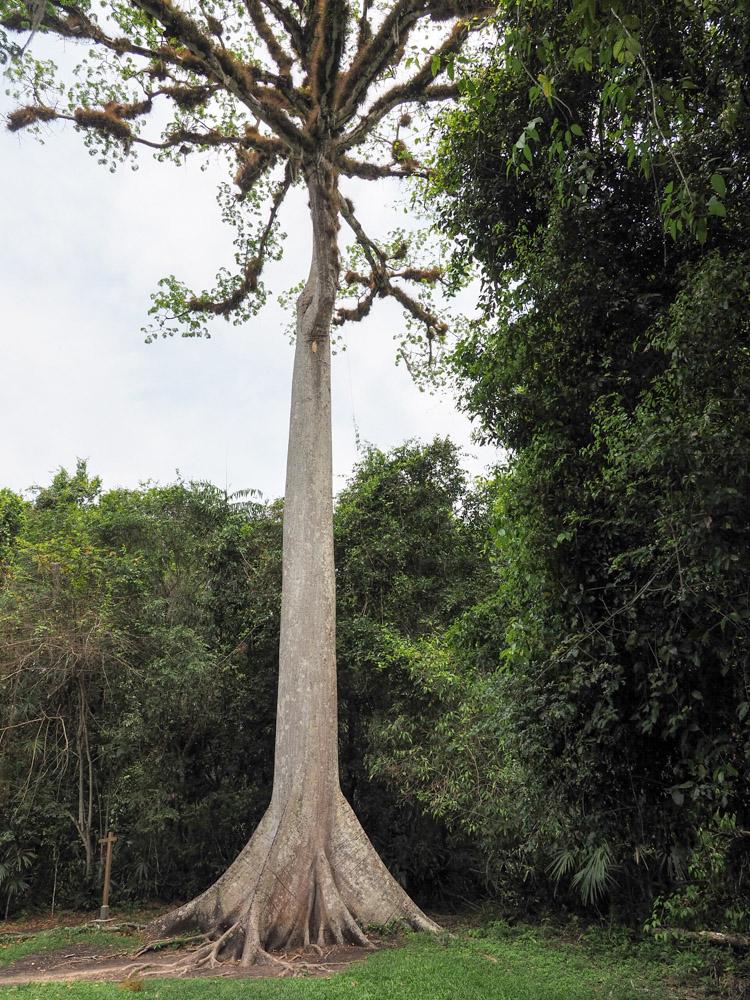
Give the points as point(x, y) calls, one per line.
point(87, 961)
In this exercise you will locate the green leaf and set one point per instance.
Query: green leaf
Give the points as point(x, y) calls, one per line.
point(633, 45)
point(576, 130)
point(718, 184)
point(716, 207)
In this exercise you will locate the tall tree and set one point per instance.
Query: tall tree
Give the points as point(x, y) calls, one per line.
point(293, 91)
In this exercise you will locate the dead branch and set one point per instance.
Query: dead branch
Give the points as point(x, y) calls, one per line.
point(713, 937)
point(165, 942)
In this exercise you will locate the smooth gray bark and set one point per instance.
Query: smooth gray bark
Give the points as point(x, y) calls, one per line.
point(309, 875)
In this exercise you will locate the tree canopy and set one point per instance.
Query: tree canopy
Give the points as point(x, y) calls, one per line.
point(269, 88)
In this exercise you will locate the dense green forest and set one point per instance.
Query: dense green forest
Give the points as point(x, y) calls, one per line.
point(139, 662)
point(599, 172)
point(544, 683)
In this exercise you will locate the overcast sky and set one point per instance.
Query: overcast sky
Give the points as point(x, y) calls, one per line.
point(81, 250)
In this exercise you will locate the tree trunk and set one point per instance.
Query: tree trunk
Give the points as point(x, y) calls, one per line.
point(309, 875)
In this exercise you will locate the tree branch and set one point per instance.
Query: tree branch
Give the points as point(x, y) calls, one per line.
point(325, 36)
point(373, 171)
point(79, 27)
point(375, 56)
point(370, 249)
point(356, 313)
point(364, 30)
point(112, 122)
point(289, 23)
point(416, 89)
point(282, 59)
point(713, 937)
point(249, 284)
point(223, 67)
point(380, 281)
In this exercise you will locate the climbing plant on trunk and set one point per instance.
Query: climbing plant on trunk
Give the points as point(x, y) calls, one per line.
point(303, 91)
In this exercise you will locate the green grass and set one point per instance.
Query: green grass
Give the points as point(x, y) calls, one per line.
point(496, 964)
point(12, 948)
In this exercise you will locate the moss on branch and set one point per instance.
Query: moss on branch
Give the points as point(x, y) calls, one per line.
point(22, 117)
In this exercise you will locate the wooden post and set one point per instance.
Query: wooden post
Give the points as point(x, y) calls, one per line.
point(109, 841)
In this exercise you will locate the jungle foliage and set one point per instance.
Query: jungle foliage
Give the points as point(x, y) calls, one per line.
point(140, 650)
point(598, 172)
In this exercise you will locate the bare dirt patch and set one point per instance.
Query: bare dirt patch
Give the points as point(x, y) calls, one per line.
point(81, 963)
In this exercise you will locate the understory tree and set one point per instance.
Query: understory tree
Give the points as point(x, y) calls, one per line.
point(599, 174)
point(410, 535)
point(293, 92)
point(122, 650)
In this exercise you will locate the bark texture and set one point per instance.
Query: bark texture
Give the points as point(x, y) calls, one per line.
point(309, 875)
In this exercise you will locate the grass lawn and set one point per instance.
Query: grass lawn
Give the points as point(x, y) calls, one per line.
point(13, 947)
point(495, 962)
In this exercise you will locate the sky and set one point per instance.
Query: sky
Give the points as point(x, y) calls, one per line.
point(81, 251)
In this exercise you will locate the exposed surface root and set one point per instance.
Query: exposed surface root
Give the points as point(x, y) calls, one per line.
point(285, 964)
point(166, 942)
point(293, 889)
point(86, 963)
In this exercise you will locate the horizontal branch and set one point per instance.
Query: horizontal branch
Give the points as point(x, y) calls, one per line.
point(112, 122)
point(713, 937)
point(77, 26)
point(373, 171)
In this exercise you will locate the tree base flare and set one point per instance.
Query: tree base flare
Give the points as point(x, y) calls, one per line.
point(309, 877)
